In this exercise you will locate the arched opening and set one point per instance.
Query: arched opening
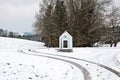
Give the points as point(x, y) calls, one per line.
point(65, 44)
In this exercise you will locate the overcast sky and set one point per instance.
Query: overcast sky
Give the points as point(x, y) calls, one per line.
point(116, 3)
point(19, 15)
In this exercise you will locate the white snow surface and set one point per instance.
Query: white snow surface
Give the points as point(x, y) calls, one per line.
point(21, 60)
point(11, 43)
point(15, 65)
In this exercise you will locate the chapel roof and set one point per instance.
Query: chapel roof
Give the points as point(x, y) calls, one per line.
point(66, 33)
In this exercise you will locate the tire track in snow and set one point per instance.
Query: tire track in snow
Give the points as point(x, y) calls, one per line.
point(85, 72)
point(112, 58)
point(105, 67)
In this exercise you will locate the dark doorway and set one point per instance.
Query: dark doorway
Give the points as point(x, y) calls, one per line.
point(65, 44)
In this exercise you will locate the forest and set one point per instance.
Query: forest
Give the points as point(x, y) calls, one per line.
point(88, 21)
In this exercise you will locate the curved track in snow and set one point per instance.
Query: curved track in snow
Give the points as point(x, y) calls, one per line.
point(104, 58)
point(98, 64)
point(84, 71)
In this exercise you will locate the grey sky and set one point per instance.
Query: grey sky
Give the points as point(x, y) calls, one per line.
point(19, 15)
point(117, 3)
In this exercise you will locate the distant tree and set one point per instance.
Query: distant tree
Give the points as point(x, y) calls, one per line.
point(1, 32)
point(11, 34)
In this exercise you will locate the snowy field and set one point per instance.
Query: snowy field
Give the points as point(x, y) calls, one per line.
point(29, 60)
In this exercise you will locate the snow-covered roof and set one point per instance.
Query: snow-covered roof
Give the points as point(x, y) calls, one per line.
point(66, 34)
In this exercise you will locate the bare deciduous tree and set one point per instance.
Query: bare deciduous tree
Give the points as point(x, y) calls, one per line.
point(87, 21)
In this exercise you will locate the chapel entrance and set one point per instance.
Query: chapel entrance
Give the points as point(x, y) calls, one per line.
point(65, 44)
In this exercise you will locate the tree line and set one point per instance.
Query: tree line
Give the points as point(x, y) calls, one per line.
point(28, 36)
point(6, 33)
point(88, 21)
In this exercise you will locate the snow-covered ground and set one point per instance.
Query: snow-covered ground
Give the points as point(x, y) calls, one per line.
point(17, 66)
point(29, 60)
point(12, 43)
point(104, 55)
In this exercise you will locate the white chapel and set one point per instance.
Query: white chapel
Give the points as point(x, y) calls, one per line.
point(65, 42)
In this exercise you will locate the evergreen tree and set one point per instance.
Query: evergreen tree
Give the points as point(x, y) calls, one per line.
point(60, 16)
point(60, 21)
point(52, 23)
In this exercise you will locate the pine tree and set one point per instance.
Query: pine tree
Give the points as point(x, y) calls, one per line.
point(60, 16)
point(53, 23)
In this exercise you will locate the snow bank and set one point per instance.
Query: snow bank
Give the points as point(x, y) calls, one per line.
point(13, 43)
